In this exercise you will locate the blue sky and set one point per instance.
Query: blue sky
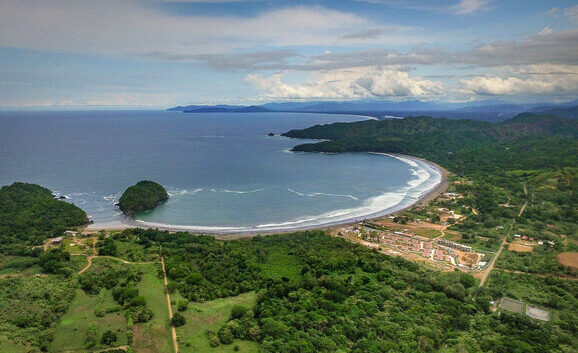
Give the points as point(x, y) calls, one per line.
point(160, 53)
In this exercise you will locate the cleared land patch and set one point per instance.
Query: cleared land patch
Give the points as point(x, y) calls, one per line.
point(72, 332)
point(209, 316)
point(520, 248)
point(512, 305)
point(568, 259)
point(153, 336)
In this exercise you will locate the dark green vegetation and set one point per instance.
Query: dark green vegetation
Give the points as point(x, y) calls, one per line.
point(29, 306)
point(316, 293)
point(142, 197)
point(29, 215)
point(527, 141)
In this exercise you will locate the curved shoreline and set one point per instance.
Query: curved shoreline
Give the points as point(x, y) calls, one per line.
point(238, 232)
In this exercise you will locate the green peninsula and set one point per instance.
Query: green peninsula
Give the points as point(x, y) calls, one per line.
point(142, 197)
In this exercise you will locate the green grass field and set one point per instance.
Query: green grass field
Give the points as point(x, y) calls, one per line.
point(9, 347)
point(155, 335)
point(18, 265)
point(210, 316)
point(70, 333)
point(280, 264)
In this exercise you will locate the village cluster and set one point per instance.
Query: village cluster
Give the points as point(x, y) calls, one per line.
point(435, 250)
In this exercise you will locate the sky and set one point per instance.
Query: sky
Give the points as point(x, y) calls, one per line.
point(162, 53)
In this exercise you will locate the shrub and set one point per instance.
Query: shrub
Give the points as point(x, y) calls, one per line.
point(178, 320)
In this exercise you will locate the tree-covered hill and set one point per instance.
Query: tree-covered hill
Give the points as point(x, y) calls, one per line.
point(143, 196)
point(29, 214)
point(528, 140)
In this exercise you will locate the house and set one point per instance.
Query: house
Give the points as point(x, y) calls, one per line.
point(517, 235)
point(57, 240)
point(540, 242)
point(525, 237)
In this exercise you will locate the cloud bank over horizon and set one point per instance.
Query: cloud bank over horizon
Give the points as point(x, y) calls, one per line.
point(163, 52)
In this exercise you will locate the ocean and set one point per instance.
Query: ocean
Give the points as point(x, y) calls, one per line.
point(222, 170)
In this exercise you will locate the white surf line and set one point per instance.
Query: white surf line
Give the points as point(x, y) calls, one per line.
point(313, 194)
point(236, 191)
point(190, 227)
point(180, 192)
point(241, 192)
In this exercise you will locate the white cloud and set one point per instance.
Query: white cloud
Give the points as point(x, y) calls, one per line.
point(130, 28)
point(544, 79)
point(470, 6)
point(348, 84)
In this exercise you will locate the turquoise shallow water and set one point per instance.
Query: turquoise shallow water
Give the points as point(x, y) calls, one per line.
point(222, 170)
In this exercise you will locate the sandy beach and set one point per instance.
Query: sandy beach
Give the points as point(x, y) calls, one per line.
point(233, 234)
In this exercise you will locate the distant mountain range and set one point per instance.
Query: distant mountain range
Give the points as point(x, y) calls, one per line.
point(489, 110)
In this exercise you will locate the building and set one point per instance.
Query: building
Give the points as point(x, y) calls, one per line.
point(451, 244)
point(57, 240)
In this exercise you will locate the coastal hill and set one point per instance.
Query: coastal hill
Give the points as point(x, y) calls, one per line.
point(250, 109)
point(531, 140)
point(142, 197)
point(29, 214)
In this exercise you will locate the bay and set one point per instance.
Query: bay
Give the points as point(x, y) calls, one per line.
point(222, 170)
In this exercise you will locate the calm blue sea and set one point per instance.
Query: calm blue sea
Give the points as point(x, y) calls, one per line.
point(222, 170)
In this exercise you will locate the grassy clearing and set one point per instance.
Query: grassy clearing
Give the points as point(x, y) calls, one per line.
point(280, 264)
point(155, 335)
point(71, 332)
point(202, 317)
point(18, 265)
point(9, 347)
point(76, 245)
point(78, 262)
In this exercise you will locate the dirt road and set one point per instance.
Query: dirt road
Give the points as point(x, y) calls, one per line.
point(174, 332)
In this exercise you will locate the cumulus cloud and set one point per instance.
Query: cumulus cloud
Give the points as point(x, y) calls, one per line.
point(531, 79)
point(348, 84)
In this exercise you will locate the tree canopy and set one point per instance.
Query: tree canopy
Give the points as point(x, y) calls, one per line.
point(142, 197)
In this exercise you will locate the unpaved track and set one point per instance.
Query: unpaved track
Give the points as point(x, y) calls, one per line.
point(173, 331)
point(493, 262)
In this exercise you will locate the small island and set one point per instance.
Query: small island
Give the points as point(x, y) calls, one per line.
point(142, 197)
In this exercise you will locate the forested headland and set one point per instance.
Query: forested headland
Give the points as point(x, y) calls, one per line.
point(527, 141)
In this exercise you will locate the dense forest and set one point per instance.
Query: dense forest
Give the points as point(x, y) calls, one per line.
point(322, 294)
point(29, 214)
point(144, 196)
